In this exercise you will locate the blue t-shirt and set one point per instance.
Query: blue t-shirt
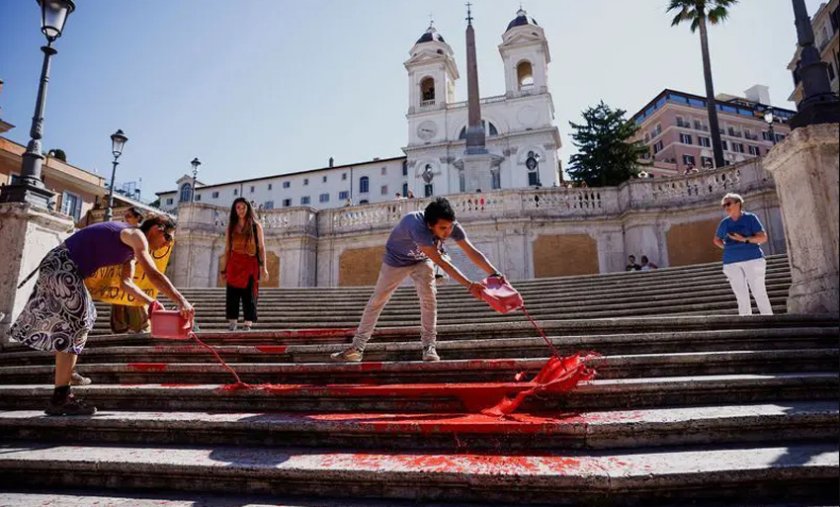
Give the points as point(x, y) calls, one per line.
point(736, 251)
point(403, 246)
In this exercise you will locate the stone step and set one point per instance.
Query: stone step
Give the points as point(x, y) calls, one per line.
point(720, 308)
point(398, 345)
point(451, 397)
point(619, 429)
point(130, 371)
point(806, 471)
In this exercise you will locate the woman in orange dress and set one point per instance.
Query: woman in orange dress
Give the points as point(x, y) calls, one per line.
point(243, 264)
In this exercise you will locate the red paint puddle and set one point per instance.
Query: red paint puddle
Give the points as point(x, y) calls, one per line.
point(148, 366)
point(271, 349)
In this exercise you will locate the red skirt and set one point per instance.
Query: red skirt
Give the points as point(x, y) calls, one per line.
point(241, 269)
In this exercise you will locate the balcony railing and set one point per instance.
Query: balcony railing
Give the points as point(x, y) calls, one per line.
point(427, 103)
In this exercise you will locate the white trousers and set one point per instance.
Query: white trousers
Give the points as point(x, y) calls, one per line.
point(745, 277)
point(423, 274)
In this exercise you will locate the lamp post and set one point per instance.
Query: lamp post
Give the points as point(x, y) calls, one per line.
point(768, 117)
point(195, 163)
point(118, 140)
point(30, 187)
point(819, 104)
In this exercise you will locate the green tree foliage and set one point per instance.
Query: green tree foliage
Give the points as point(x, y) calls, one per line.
point(59, 154)
point(605, 155)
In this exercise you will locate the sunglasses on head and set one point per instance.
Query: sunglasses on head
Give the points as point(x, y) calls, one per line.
point(727, 204)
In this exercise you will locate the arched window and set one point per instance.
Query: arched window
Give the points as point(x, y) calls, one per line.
point(427, 90)
point(186, 193)
point(364, 184)
point(524, 74)
point(532, 163)
point(492, 131)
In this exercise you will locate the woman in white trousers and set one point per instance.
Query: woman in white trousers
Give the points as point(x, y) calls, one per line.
point(739, 235)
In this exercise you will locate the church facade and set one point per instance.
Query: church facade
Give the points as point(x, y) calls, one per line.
point(519, 127)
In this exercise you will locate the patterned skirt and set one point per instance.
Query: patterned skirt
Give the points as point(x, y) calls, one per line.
point(60, 312)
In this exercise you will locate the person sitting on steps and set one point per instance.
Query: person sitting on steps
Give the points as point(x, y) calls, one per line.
point(413, 249)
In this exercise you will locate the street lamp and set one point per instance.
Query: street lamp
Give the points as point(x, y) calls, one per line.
point(195, 163)
point(30, 187)
point(118, 140)
point(768, 117)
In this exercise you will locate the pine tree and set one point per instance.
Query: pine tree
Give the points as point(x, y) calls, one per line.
point(605, 156)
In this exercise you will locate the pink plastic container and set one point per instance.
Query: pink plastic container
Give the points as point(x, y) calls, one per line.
point(169, 323)
point(501, 296)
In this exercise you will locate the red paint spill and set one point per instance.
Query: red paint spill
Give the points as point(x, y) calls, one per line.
point(148, 366)
point(271, 349)
point(372, 366)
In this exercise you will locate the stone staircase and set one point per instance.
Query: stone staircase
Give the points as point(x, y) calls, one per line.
point(692, 405)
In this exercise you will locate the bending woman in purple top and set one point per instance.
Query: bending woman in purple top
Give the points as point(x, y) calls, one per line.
point(60, 312)
point(740, 234)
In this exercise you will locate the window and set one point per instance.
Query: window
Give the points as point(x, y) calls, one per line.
point(754, 150)
point(384, 171)
point(305, 181)
point(287, 203)
point(779, 137)
point(765, 135)
point(215, 195)
point(384, 190)
point(706, 162)
point(170, 201)
point(405, 189)
point(497, 180)
point(304, 200)
point(405, 167)
point(534, 179)
point(427, 91)
point(364, 184)
point(252, 189)
point(324, 198)
point(71, 204)
point(363, 201)
point(738, 147)
point(685, 138)
point(657, 147)
point(186, 193)
point(647, 137)
point(724, 144)
point(429, 190)
point(682, 123)
point(235, 192)
point(704, 141)
point(323, 179)
point(343, 176)
point(688, 160)
point(268, 205)
point(269, 186)
point(287, 184)
point(657, 129)
point(197, 197)
point(525, 74)
point(344, 194)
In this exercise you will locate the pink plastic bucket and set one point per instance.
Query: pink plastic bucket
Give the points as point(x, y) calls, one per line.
point(500, 295)
point(169, 323)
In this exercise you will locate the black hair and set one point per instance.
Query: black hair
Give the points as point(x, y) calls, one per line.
point(645, 259)
point(157, 220)
point(438, 209)
point(250, 219)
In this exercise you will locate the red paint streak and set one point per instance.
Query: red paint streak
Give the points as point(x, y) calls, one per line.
point(148, 366)
point(271, 349)
point(372, 366)
point(323, 332)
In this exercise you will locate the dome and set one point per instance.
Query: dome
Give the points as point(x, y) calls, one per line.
point(521, 19)
point(430, 35)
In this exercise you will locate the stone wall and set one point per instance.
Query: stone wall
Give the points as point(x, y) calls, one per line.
point(526, 233)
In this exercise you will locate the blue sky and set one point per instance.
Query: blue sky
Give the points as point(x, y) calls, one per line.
point(261, 87)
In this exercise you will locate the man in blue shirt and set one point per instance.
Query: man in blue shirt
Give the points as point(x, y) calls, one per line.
point(412, 249)
point(739, 235)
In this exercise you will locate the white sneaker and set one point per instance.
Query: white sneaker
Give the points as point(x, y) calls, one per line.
point(430, 354)
point(348, 355)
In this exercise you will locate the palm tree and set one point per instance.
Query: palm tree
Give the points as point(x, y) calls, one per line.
point(698, 12)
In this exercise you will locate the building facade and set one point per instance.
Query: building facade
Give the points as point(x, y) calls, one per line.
point(826, 25)
point(675, 128)
point(519, 128)
point(76, 191)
